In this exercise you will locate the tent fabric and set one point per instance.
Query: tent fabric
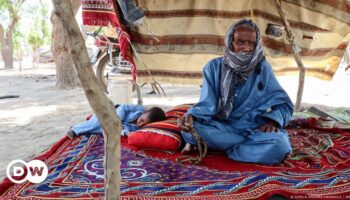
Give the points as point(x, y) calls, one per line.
point(105, 13)
point(180, 36)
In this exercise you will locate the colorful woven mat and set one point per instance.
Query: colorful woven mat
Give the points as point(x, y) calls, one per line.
point(318, 168)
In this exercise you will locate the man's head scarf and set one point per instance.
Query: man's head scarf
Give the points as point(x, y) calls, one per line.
point(236, 67)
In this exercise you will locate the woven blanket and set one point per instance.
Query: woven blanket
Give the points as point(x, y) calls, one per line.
point(318, 168)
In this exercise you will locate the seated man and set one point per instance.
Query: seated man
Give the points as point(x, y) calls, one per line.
point(132, 117)
point(242, 108)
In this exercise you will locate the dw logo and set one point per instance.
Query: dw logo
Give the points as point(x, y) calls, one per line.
point(34, 171)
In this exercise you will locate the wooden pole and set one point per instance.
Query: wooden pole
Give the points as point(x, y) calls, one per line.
point(99, 102)
point(296, 54)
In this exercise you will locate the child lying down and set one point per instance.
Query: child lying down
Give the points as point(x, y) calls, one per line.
point(133, 117)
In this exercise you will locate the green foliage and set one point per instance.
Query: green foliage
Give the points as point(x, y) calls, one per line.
point(4, 3)
point(39, 32)
point(34, 14)
point(17, 38)
point(31, 20)
point(36, 37)
point(8, 13)
point(44, 23)
point(33, 27)
point(4, 12)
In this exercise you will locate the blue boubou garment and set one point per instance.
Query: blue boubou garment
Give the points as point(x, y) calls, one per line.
point(259, 99)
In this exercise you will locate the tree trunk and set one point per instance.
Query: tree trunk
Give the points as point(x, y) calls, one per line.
point(7, 44)
point(2, 40)
point(34, 56)
point(6, 37)
point(101, 105)
point(66, 75)
point(7, 54)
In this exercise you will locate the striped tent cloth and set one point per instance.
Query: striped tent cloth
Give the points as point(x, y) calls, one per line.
point(179, 37)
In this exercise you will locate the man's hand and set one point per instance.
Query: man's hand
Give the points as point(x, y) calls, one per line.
point(270, 126)
point(185, 122)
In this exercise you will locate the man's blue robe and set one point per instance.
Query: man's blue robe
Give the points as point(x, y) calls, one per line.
point(258, 100)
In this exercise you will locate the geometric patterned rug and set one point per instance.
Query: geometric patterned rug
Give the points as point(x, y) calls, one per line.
point(318, 168)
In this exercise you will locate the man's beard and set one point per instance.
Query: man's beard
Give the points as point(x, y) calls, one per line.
point(250, 53)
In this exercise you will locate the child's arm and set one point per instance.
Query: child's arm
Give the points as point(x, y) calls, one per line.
point(127, 128)
point(124, 132)
point(125, 109)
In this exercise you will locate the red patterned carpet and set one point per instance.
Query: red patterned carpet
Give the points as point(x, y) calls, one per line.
point(318, 168)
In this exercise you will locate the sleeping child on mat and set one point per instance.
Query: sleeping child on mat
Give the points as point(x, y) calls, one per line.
point(133, 117)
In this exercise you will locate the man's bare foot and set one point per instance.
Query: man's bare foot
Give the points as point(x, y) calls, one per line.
point(186, 149)
point(348, 67)
point(71, 134)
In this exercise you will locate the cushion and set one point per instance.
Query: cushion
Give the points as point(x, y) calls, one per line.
point(178, 111)
point(164, 135)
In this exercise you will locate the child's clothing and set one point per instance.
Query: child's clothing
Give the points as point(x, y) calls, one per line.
point(128, 114)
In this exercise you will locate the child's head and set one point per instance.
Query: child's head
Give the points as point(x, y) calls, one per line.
point(151, 115)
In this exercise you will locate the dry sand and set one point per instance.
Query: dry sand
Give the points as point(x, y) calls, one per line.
point(42, 114)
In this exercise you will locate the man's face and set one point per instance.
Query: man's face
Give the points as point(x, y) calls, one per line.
point(244, 40)
point(143, 120)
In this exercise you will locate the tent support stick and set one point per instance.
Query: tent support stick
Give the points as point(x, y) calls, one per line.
point(296, 55)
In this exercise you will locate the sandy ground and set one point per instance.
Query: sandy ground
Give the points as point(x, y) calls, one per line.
point(42, 114)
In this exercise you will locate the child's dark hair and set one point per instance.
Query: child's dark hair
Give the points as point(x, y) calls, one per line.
point(156, 114)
